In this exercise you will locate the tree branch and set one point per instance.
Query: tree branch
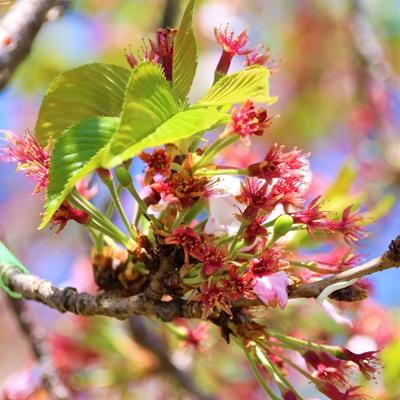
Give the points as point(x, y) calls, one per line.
point(147, 339)
point(18, 29)
point(68, 299)
point(170, 13)
point(50, 376)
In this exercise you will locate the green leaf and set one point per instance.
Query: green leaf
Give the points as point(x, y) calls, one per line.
point(80, 93)
point(383, 207)
point(149, 102)
point(185, 55)
point(250, 83)
point(7, 260)
point(344, 180)
point(180, 126)
point(75, 155)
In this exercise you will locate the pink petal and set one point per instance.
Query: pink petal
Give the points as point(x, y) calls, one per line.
point(272, 289)
point(335, 313)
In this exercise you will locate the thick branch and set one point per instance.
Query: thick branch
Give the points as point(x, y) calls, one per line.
point(145, 338)
point(19, 28)
point(170, 13)
point(34, 288)
point(68, 299)
point(35, 334)
point(376, 265)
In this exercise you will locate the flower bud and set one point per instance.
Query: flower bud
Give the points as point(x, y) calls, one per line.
point(283, 224)
point(104, 174)
point(123, 176)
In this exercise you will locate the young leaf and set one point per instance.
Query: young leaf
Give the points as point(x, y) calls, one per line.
point(149, 102)
point(250, 83)
point(8, 259)
point(79, 93)
point(180, 126)
point(75, 155)
point(185, 55)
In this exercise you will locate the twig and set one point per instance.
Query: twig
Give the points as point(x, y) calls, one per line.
point(34, 288)
point(155, 345)
point(170, 12)
point(50, 376)
point(18, 29)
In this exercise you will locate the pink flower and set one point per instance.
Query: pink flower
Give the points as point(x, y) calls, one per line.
point(212, 295)
point(213, 258)
point(186, 189)
point(66, 213)
point(277, 164)
point(188, 239)
point(328, 368)
point(32, 157)
point(158, 162)
point(272, 289)
point(147, 56)
point(194, 337)
point(330, 390)
point(335, 313)
point(83, 188)
point(238, 284)
point(256, 57)
point(290, 190)
point(268, 262)
point(367, 362)
point(256, 194)
point(312, 217)
point(230, 47)
point(247, 121)
point(350, 226)
point(165, 49)
point(255, 229)
point(289, 395)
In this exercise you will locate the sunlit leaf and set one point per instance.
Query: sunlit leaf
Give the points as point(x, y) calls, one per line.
point(250, 83)
point(7, 259)
point(80, 93)
point(383, 207)
point(149, 102)
point(344, 181)
point(74, 156)
point(185, 55)
point(180, 126)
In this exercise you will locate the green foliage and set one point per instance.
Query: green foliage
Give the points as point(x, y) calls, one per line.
point(79, 93)
point(8, 259)
point(390, 359)
point(149, 102)
point(74, 157)
point(185, 55)
point(248, 84)
point(82, 103)
point(180, 126)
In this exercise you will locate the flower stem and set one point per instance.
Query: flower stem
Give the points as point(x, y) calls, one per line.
point(299, 344)
point(96, 239)
point(114, 195)
point(289, 362)
point(177, 220)
point(99, 221)
point(233, 171)
point(179, 332)
point(274, 371)
point(111, 205)
point(143, 206)
point(255, 370)
point(232, 248)
point(214, 149)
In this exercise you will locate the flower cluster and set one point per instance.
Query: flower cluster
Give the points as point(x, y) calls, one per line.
point(221, 246)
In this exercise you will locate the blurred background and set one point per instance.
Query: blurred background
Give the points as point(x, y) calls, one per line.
point(339, 98)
